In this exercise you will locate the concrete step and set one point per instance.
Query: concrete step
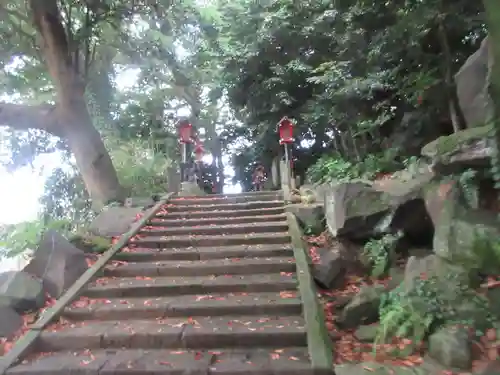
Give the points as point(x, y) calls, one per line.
point(183, 222)
point(210, 241)
point(225, 206)
point(220, 361)
point(265, 227)
point(249, 194)
point(234, 266)
point(176, 286)
point(205, 253)
point(218, 199)
point(173, 333)
point(176, 215)
point(283, 303)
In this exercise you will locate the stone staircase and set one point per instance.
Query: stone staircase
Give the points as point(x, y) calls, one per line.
point(209, 287)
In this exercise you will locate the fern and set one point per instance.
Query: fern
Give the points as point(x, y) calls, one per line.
point(379, 253)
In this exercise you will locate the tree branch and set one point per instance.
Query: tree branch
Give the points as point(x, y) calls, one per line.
point(47, 19)
point(25, 117)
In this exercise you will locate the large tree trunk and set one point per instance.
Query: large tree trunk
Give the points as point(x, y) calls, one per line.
point(91, 156)
point(75, 123)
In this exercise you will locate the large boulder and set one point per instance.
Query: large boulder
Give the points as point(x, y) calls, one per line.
point(363, 308)
point(114, 221)
point(330, 269)
point(463, 236)
point(310, 216)
point(472, 81)
point(21, 291)
point(452, 347)
point(469, 148)
point(10, 322)
point(361, 210)
point(57, 263)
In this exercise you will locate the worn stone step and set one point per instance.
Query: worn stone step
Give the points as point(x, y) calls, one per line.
point(175, 286)
point(263, 227)
point(218, 304)
point(225, 206)
point(234, 266)
point(189, 333)
point(220, 361)
point(215, 240)
point(218, 199)
point(205, 253)
point(159, 222)
point(172, 214)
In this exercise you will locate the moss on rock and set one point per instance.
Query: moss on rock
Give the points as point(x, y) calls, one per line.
point(90, 243)
point(448, 145)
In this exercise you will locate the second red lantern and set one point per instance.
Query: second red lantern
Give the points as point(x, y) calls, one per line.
point(285, 130)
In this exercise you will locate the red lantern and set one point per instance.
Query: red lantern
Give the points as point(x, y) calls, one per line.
point(185, 131)
point(285, 129)
point(199, 150)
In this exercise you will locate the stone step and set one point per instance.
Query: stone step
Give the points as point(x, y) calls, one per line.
point(166, 286)
point(282, 303)
point(217, 199)
point(234, 266)
point(224, 206)
point(220, 361)
point(216, 221)
point(205, 253)
point(249, 194)
point(174, 215)
point(173, 333)
point(210, 241)
point(265, 227)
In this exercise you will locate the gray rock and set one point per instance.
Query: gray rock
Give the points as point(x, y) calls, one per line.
point(114, 221)
point(493, 368)
point(469, 148)
point(472, 81)
point(330, 269)
point(144, 202)
point(10, 321)
point(57, 263)
point(310, 216)
point(367, 333)
point(360, 210)
point(463, 236)
point(452, 347)
point(21, 291)
point(363, 308)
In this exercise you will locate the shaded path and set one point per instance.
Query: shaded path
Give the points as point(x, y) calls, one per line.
point(208, 287)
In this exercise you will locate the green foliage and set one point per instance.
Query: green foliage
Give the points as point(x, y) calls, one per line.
point(141, 171)
point(335, 168)
point(17, 238)
point(380, 252)
point(415, 312)
point(345, 71)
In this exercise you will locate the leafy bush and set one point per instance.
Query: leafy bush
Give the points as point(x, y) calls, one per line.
point(380, 251)
point(334, 168)
point(15, 239)
point(415, 312)
point(141, 171)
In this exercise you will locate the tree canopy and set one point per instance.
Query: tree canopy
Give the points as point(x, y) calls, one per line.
point(102, 82)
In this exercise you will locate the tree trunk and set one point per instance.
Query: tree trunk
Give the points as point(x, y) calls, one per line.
point(456, 114)
point(91, 156)
point(492, 8)
point(73, 117)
